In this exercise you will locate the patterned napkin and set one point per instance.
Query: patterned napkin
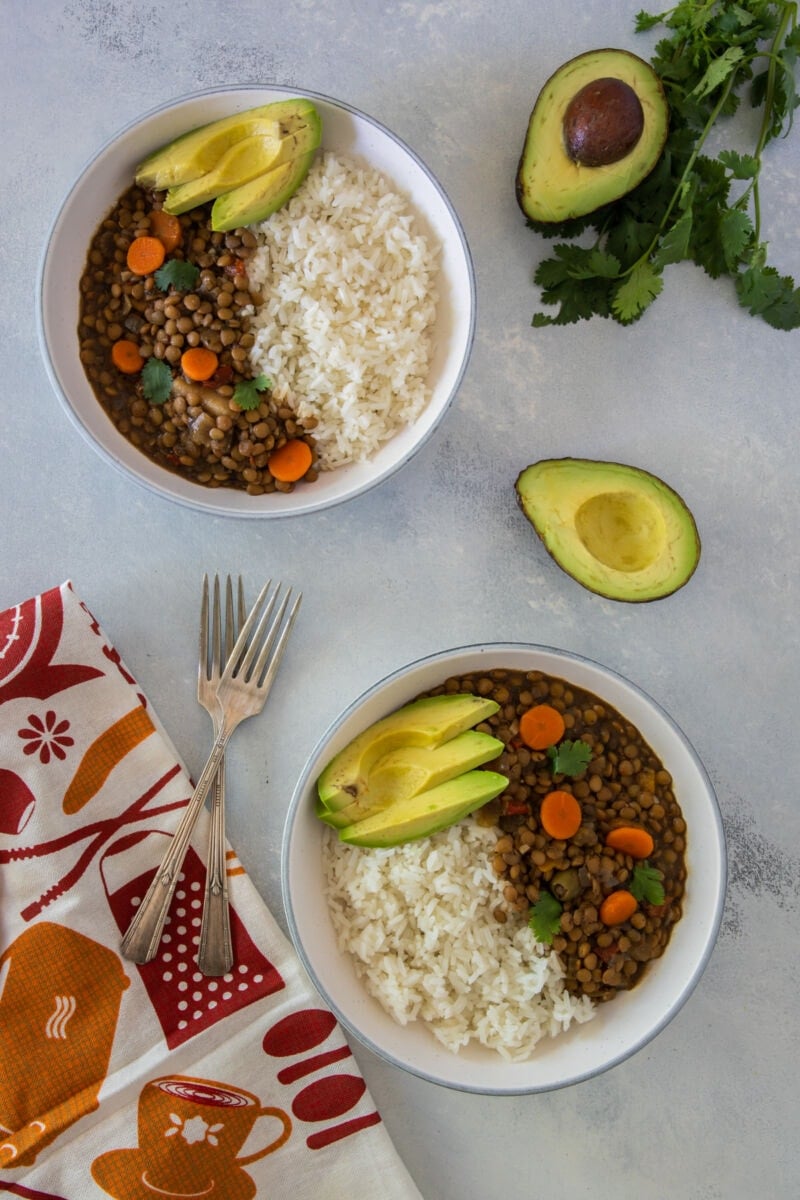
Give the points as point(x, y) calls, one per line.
point(145, 1081)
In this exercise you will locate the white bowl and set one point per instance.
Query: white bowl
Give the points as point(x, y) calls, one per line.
point(106, 177)
point(621, 1026)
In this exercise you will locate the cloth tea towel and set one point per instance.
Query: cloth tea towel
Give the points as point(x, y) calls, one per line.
point(154, 1081)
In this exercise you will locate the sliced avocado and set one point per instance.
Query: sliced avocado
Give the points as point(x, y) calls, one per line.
point(427, 722)
point(427, 813)
point(597, 129)
point(198, 151)
point(412, 769)
point(616, 529)
point(246, 160)
point(258, 199)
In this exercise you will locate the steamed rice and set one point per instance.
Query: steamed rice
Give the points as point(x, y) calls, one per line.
point(418, 921)
point(349, 287)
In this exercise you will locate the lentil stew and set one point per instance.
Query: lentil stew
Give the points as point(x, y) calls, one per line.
point(622, 786)
point(126, 318)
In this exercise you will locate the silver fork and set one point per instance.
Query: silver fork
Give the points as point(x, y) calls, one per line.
point(242, 691)
point(215, 953)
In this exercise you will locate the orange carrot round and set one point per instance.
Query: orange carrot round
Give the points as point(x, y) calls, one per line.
point(617, 907)
point(560, 814)
point(167, 228)
point(631, 839)
point(541, 726)
point(291, 461)
point(126, 357)
point(199, 363)
point(145, 255)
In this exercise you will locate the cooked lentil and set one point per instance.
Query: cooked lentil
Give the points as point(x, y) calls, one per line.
point(199, 431)
point(624, 783)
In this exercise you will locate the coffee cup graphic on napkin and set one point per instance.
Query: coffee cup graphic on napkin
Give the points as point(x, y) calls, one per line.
point(191, 1133)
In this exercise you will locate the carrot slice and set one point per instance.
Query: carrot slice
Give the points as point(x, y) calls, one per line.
point(126, 357)
point(560, 814)
point(145, 255)
point(541, 726)
point(631, 839)
point(199, 363)
point(618, 907)
point(291, 461)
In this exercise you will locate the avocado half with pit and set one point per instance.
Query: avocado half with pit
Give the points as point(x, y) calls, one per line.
point(597, 130)
point(618, 530)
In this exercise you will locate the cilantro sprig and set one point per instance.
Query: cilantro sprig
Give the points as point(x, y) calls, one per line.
point(569, 758)
point(178, 274)
point(247, 393)
point(156, 380)
point(544, 918)
point(646, 885)
point(692, 207)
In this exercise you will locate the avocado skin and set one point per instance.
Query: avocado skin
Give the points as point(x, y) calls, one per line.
point(550, 187)
point(552, 494)
point(261, 197)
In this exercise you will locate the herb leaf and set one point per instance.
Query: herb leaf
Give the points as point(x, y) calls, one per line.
point(156, 380)
point(646, 885)
point(246, 394)
point(684, 210)
point(544, 918)
point(177, 274)
point(569, 758)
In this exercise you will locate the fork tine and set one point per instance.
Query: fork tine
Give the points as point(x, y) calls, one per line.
point(280, 645)
point(216, 633)
point(203, 650)
point(245, 667)
point(229, 622)
point(240, 644)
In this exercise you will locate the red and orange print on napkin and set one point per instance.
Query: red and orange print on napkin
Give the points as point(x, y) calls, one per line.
point(145, 1081)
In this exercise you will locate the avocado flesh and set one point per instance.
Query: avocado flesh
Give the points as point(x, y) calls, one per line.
point(616, 529)
point(426, 813)
point(427, 723)
point(246, 160)
point(550, 185)
point(198, 151)
point(261, 197)
point(410, 770)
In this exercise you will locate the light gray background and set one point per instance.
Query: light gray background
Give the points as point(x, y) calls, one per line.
point(697, 392)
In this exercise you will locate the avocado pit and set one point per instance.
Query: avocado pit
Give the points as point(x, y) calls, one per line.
point(603, 122)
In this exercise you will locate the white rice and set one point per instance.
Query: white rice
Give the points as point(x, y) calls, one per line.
point(419, 923)
point(349, 287)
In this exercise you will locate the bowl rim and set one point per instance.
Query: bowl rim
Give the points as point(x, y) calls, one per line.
point(299, 797)
point(204, 501)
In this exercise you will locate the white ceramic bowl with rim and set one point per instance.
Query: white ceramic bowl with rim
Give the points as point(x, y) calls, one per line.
point(620, 1027)
point(106, 177)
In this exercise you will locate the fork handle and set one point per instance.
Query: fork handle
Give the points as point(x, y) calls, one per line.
point(141, 939)
point(215, 954)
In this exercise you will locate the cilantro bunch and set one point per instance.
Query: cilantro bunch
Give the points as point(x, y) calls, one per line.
point(692, 207)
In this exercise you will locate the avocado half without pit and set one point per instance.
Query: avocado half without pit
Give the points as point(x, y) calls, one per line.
point(618, 530)
point(597, 130)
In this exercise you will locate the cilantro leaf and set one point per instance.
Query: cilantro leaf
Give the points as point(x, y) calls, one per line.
point(544, 918)
point(741, 166)
point(178, 274)
point(645, 884)
point(636, 292)
point(569, 758)
point(156, 380)
point(247, 393)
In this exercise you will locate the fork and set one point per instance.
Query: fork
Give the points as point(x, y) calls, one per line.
point(242, 691)
point(215, 954)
